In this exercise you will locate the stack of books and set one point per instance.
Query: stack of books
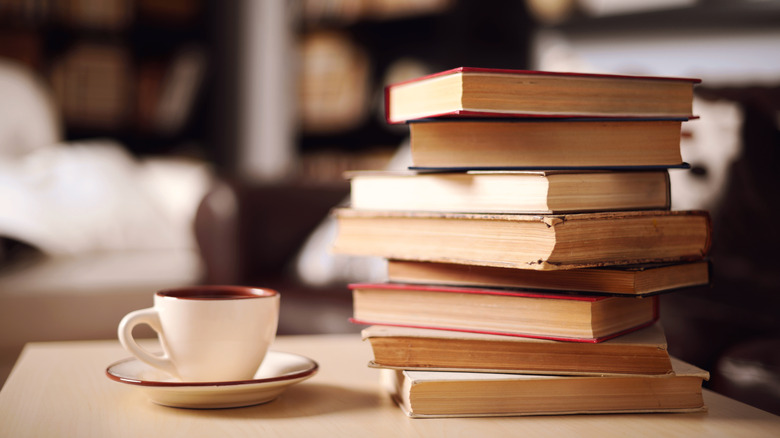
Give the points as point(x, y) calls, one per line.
point(528, 245)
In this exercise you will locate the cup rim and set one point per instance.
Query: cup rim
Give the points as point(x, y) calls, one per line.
point(208, 292)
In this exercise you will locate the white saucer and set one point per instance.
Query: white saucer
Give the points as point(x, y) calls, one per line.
point(278, 371)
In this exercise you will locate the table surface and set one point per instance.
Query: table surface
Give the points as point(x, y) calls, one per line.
point(60, 389)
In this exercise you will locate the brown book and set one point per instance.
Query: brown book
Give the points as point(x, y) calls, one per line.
point(630, 280)
point(467, 91)
point(545, 143)
point(454, 394)
point(510, 192)
point(576, 318)
point(526, 241)
point(641, 352)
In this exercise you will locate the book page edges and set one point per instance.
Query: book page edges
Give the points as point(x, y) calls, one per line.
point(493, 114)
point(651, 335)
point(507, 334)
point(679, 367)
point(474, 290)
point(393, 383)
point(411, 414)
point(553, 219)
point(515, 72)
point(372, 364)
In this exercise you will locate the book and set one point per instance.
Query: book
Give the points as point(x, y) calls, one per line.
point(545, 143)
point(576, 318)
point(468, 91)
point(510, 192)
point(630, 280)
point(525, 241)
point(453, 394)
point(643, 351)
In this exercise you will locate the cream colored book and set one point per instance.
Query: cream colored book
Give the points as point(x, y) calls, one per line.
point(626, 280)
point(541, 242)
point(545, 143)
point(483, 92)
point(510, 192)
point(569, 317)
point(641, 352)
point(430, 394)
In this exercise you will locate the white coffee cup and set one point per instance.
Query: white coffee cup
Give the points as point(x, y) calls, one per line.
point(207, 333)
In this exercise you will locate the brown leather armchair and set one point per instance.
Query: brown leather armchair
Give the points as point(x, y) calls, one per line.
point(250, 233)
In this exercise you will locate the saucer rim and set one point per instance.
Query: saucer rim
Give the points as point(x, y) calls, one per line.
point(310, 370)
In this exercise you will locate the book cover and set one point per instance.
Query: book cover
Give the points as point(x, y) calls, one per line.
point(542, 242)
point(482, 92)
point(641, 279)
point(510, 192)
point(433, 394)
point(643, 351)
point(563, 317)
point(521, 143)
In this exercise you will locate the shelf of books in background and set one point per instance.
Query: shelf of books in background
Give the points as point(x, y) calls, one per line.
point(528, 245)
point(130, 69)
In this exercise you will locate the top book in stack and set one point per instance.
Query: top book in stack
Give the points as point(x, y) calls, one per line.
point(480, 92)
point(471, 118)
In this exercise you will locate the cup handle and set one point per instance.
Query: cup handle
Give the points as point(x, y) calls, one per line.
point(152, 319)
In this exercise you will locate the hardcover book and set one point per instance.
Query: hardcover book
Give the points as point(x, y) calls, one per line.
point(539, 242)
point(430, 394)
point(577, 318)
point(545, 143)
point(510, 192)
point(640, 352)
point(467, 91)
point(629, 280)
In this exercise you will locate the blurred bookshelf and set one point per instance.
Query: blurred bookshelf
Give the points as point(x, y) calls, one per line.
point(196, 77)
point(168, 77)
point(131, 70)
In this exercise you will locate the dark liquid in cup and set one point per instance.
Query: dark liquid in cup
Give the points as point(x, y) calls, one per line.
point(218, 296)
point(217, 293)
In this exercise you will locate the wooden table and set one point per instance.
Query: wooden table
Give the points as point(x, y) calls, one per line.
point(60, 389)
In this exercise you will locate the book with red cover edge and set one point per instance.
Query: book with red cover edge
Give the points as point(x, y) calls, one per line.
point(545, 73)
point(515, 292)
point(485, 114)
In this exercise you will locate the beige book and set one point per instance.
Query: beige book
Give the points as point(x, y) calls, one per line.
point(583, 318)
point(539, 242)
point(629, 280)
point(546, 144)
point(468, 91)
point(510, 192)
point(457, 394)
point(641, 352)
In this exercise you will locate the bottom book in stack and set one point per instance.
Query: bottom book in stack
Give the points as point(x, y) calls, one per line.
point(435, 373)
point(424, 394)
